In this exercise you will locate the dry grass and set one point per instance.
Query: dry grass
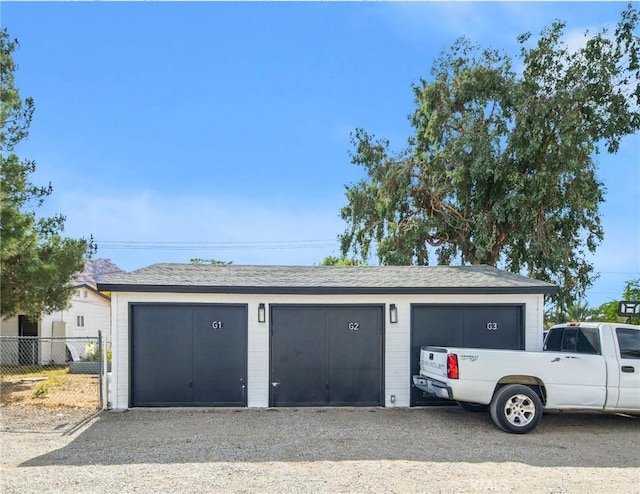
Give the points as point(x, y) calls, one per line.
point(48, 387)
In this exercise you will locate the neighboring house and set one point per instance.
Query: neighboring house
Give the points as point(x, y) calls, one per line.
point(88, 313)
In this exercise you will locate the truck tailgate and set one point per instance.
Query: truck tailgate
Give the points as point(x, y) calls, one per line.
point(433, 362)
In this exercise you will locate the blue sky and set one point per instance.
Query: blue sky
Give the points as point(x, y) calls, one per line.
point(221, 130)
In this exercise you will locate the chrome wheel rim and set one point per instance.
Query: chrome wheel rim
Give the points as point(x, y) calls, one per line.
point(519, 410)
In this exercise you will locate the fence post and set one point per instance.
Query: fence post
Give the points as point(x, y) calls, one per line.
point(104, 391)
point(100, 367)
point(104, 396)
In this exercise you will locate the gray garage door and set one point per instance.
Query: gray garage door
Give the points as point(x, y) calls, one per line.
point(326, 355)
point(188, 355)
point(473, 326)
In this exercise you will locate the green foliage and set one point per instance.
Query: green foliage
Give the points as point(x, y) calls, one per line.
point(631, 290)
point(577, 312)
point(215, 262)
point(41, 390)
point(501, 168)
point(608, 312)
point(342, 261)
point(37, 261)
point(92, 353)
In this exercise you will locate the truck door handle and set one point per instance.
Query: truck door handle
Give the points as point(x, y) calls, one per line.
point(628, 368)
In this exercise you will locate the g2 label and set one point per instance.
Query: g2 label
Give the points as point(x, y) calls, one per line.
point(354, 326)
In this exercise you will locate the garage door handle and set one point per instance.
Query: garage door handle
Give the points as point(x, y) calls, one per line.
point(275, 385)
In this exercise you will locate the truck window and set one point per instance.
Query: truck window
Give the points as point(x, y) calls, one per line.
point(573, 340)
point(553, 341)
point(570, 340)
point(588, 341)
point(629, 342)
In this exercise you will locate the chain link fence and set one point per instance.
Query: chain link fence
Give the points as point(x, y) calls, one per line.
point(42, 376)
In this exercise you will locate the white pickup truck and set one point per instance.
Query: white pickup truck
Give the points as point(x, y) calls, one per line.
point(586, 366)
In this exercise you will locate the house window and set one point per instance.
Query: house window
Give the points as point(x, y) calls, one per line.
point(84, 294)
point(80, 321)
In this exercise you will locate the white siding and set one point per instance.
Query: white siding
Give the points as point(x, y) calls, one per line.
point(257, 358)
point(96, 311)
point(9, 351)
point(397, 336)
point(9, 327)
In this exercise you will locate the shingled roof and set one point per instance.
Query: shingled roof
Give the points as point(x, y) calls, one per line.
point(198, 278)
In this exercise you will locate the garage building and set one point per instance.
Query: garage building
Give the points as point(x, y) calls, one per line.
point(281, 336)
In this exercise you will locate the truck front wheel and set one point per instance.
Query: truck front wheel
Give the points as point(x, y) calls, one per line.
point(516, 408)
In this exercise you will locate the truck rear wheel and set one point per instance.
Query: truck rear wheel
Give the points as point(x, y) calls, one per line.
point(516, 408)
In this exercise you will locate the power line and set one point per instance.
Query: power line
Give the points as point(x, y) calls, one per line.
point(220, 245)
point(209, 242)
point(619, 272)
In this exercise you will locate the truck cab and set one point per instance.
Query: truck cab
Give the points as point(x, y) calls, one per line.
point(618, 344)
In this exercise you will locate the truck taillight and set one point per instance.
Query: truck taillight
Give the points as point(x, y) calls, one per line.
point(452, 366)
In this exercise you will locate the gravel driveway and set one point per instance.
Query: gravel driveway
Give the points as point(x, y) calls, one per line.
point(324, 450)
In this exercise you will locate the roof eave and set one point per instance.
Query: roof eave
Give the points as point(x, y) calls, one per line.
point(93, 290)
point(328, 290)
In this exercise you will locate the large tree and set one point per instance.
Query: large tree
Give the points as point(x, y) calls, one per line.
point(501, 169)
point(36, 260)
